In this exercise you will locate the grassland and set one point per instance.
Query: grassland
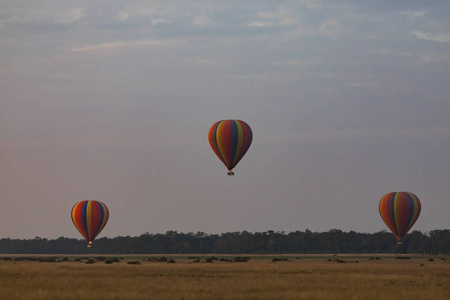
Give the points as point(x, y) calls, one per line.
point(262, 277)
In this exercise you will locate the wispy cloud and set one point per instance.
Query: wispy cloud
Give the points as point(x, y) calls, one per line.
point(441, 37)
point(362, 84)
point(201, 21)
point(436, 57)
point(259, 24)
point(355, 133)
point(100, 47)
point(386, 52)
point(114, 46)
point(295, 63)
point(332, 28)
point(73, 15)
point(413, 13)
point(282, 17)
point(310, 3)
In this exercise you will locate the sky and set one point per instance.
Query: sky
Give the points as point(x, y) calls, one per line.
point(113, 100)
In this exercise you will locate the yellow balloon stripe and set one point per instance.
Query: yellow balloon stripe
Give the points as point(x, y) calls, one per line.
point(88, 220)
point(397, 212)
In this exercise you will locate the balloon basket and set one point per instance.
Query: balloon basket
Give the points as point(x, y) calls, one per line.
point(89, 245)
point(399, 243)
point(230, 173)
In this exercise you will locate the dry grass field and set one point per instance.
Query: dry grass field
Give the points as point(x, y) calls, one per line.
point(291, 277)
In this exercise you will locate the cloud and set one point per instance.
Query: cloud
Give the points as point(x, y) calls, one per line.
point(259, 24)
point(201, 21)
point(295, 63)
point(362, 84)
point(332, 28)
point(413, 13)
point(386, 52)
point(436, 57)
point(73, 15)
point(355, 133)
point(162, 21)
point(252, 77)
point(310, 3)
point(282, 17)
point(441, 38)
point(114, 46)
point(100, 47)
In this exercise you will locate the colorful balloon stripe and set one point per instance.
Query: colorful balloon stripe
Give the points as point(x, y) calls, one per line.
point(399, 210)
point(90, 217)
point(230, 140)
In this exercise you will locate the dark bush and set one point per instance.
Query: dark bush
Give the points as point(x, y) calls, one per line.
point(241, 259)
point(280, 259)
point(226, 260)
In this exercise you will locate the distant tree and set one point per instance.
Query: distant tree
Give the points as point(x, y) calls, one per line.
point(270, 242)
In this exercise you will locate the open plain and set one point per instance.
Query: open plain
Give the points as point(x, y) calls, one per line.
point(328, 277)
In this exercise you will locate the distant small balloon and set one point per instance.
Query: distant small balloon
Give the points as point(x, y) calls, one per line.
point(90, 217)
point(230, 140)
point(399, 210)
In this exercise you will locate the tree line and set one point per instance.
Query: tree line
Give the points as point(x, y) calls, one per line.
point(269, 242)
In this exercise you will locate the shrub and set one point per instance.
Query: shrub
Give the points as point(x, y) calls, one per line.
point(241, 259)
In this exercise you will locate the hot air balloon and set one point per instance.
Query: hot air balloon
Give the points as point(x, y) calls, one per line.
point(230, 140)
point(90, 217)
point(399, 210)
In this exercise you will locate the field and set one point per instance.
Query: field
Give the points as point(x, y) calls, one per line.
point(225, 277)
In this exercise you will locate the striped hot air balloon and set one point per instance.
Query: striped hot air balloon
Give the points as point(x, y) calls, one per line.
point(230, 140)
point(399, 210)
point(90, 217)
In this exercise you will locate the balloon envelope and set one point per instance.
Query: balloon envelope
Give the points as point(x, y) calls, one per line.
point(90, 217)
point(230, 140)
point(399, 210)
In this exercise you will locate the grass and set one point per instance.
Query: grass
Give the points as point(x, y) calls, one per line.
point(304, 277)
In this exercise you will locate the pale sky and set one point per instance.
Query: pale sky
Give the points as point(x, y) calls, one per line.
point(113, 100)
